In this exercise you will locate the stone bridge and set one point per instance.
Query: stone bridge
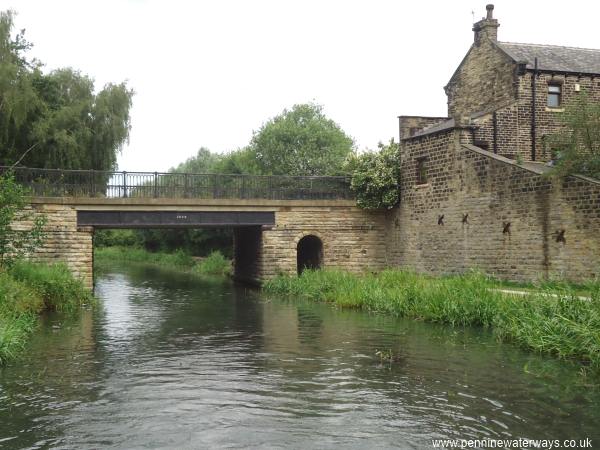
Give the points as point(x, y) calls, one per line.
point(280, 224)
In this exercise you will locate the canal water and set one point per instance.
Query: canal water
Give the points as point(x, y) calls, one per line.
point(172, 361)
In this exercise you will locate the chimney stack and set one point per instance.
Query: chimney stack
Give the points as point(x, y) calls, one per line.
point(486, 27)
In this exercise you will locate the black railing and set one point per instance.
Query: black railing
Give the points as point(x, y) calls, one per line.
point(94, 183)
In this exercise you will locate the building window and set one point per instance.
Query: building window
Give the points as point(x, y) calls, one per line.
point(422, 170)
point(554, 93)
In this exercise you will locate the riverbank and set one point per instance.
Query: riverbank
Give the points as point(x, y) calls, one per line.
point(554, 320)
point(28, 290)
point(213, 264)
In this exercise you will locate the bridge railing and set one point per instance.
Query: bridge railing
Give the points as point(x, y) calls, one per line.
point(94, 183)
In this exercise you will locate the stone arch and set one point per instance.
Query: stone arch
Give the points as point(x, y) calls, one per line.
point(309, 253)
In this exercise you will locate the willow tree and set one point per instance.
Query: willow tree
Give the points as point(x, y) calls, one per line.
point(56, 119)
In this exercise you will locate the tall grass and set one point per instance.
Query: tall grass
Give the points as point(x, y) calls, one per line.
point(55, 283)
point(26, 290)
point(554, 321)
point(214, 264)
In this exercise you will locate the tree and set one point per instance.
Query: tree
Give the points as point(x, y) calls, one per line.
point(205, 161)
point(15, 243)
point(241, 161)
point(576, 148)
point(56, 120)
point(375, 177)
point(301, 141)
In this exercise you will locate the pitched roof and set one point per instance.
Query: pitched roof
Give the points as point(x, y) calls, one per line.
point(554, 57)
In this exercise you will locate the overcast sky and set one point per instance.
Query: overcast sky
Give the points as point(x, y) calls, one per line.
point(208, 73)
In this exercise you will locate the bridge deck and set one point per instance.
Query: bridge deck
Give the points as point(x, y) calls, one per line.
point(174, 219)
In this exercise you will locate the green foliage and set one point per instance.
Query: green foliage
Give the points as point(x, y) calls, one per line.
point(117, 238)
point(577, 146)
point(15, 243)
point(301, 141)
point(179, 258)
point(204, 162)
point(375, 177)
point(55, 120)
point(26, 290)
point(554, 322)
point(17, 297)
point(197, 241)
point(55, 283)
point(241, 161)
point(214, 264)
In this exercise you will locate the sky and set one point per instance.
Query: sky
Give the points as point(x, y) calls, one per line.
point(210, 73)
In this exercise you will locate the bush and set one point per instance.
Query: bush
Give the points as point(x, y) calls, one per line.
point(214, 264)
point(375, 177)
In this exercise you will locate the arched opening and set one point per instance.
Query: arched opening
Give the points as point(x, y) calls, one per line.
point(309, 253)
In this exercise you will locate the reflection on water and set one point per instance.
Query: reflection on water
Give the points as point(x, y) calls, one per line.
point(175, 362)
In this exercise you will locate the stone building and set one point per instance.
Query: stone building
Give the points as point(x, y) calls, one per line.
point(473, 190)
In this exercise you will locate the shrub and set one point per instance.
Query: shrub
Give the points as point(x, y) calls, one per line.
point(214, 264)
point(375, 177)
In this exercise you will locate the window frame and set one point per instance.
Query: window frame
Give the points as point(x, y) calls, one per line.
point(554, 94)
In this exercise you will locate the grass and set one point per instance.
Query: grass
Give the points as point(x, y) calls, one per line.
point(214, 264)
point(554, 321)
point(28, 289)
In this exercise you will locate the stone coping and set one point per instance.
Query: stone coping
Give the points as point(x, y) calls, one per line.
point(534, 167)
point(186, 202)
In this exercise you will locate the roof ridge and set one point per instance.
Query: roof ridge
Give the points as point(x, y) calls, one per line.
point(549, 45)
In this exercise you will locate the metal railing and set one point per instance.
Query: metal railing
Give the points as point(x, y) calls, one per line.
point(94, 183)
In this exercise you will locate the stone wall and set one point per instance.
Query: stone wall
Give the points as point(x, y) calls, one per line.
point(548, 120)
point(353, 239)
point(480, 210)
point(513, 121)
point(410, 125)
point(63, 241)
point(484, 81)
